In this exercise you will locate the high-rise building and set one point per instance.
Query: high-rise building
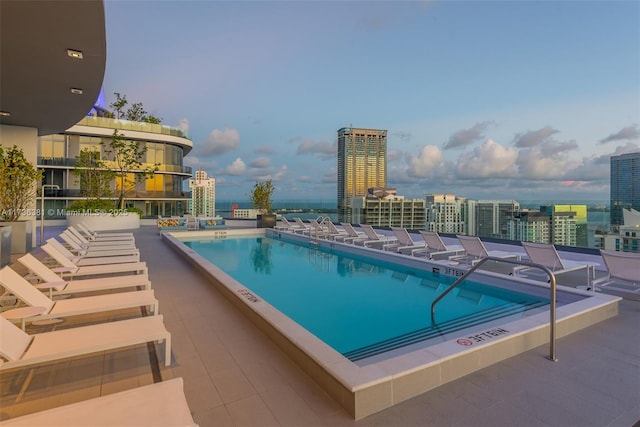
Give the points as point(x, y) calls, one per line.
point(382, 207)
point(529, 226)
point(445, 213)
point(203, 195)
point(489, 218)
point(561, 232)
point(362, 164)
point(625, 185)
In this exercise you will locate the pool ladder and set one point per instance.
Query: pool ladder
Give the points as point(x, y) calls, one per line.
point(316, 231)
point(552, 289)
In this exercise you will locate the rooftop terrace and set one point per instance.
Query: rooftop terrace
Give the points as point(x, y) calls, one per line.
point(235, 375)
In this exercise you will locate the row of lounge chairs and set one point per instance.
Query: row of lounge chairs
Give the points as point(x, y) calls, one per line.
point(106, 266)
point(621, 267)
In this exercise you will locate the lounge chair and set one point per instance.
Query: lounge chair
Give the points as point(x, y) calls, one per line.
point(90, 231)
point(97, 243)
point(334, 232)
point(284, 225)
point(373, 239)
point(435, 248)
point(87, 250)
point(623, 271)
point(20, 349)
point(475, 250)
point(300, 226)
point(352, 234)
point(108, 257)
point(99, 238)
point(404, 243)
point(25, 291)
point(162, 403)
point(547, 255)
point(68, 268)
point(58, 286)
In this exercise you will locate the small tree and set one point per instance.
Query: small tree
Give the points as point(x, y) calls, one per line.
point(135, 112)
point(126, 162)
point(261, 196)
point(93, 175)
point(17, 183)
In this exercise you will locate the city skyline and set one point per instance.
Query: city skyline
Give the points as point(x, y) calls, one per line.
point(486, 100)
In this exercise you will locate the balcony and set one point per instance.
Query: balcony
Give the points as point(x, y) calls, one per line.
point(105, 122)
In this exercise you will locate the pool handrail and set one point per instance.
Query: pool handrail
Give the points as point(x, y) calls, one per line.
point(552, 289)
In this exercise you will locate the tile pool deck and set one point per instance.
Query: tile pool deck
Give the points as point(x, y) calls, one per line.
point(235, 375)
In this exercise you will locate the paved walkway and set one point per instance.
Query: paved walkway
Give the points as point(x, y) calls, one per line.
point(235, 376)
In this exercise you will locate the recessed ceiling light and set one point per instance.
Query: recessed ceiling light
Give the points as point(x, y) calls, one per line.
point(76, 91)
point(77, 54)
point(5, 113)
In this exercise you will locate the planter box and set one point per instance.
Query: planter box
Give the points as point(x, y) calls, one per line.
point(5, 245)
point(106, 221)
point(266, 221)
point(23, 236)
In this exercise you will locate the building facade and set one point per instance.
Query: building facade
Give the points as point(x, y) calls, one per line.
point(382, 207)
point(203, 195)
point(625, 185)
point(160, 194)
point(444, 213)
point(529, 226)
point(489, 218)
point(362, 164)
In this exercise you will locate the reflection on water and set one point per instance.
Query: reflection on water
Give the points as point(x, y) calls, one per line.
point(261, 256)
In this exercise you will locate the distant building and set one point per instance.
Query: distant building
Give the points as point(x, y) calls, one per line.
point(445, 213)
point(627, 237)
point(489, 218)
point(203, 195)
point(625, 185)
point(382, 207)
point(529, 226)
point(362, 164)
point(246, 213)
point(569, 224)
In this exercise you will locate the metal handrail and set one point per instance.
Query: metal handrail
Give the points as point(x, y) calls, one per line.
point(552, 289)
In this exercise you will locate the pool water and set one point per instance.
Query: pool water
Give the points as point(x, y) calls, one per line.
point(358, 306)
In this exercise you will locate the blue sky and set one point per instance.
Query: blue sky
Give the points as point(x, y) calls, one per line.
point(503, 100)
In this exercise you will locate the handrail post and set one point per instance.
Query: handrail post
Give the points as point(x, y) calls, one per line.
point(552, 298)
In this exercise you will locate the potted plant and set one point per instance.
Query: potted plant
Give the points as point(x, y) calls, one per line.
point(261, 199)
point(18, 178)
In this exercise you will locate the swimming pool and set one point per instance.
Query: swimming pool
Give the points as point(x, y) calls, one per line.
point(367, 386)
point(360, 306)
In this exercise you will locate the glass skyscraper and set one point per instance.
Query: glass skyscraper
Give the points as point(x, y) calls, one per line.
point(625, 185)
point(362, 164)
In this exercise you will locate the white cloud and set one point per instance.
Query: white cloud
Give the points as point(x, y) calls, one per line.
point(218, 142)
point(309, 146)
point(533, 137)
point(423, 165)
point(490, 160)
point(260, 163)
point(236, 168)
point(465, 137)
point(628, 133)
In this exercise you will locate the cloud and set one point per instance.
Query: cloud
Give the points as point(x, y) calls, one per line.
point(490, 160)
point(425, 162)
point(534, 137)
point(264, 149)
point(183, 125)
point(465, 137)
point(236, 168)
point(628, 133)
point(218, 142)
point(309, 146)
point(260, 163)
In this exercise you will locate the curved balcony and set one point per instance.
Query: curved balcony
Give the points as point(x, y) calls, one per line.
point(105, 122)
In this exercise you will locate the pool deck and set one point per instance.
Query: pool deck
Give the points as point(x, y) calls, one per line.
point(234, 375)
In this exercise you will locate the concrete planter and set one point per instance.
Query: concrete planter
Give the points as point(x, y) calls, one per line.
point(5, 245)
point(266, 221)
point(23, 236)
point(106, 221)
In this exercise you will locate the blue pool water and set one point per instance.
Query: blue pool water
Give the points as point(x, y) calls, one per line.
point(357, 305)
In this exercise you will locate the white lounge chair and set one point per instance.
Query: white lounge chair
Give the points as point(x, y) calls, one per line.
point(404, 243)
point(97, 243)
point(284, 225)
point(90, 232)
point(158, 404)
point(475, 250)
point(373, 239)
point(98, 238)
point(110, 257)
point(300, 226)
point(547, 255)
point(57, 286)
point(25, 291)
point(352, 234)
point(435, 247)
point(20, 349)
point(83, 250)
point(334, 232)
point(68, 268)
point(623, 271)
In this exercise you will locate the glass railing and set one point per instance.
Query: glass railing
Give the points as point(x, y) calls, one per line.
point(105, 122)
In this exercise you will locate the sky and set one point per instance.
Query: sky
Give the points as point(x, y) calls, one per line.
point(523, 100)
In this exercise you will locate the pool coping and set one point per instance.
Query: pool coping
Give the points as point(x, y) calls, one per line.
point(364, 390)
